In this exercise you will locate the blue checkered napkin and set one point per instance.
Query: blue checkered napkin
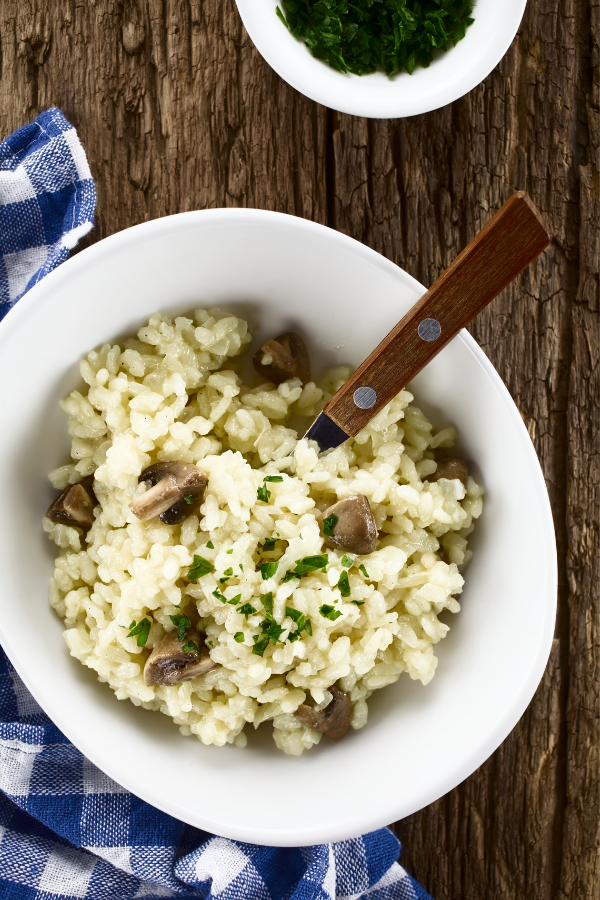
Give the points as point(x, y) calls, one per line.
point(67, 830)
point(47, 202)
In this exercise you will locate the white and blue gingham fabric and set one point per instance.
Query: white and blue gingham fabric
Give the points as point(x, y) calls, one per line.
point(47, 202)
point(66, 829)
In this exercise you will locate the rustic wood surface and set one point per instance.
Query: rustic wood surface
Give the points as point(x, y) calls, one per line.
point(177, 111)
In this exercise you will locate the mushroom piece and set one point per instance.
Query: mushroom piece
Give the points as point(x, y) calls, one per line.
point(334, 720)
point(282, 358)
point(355, 530)
point(169, 664)
point(75, 505)
point(176, 491)
point(450, 468)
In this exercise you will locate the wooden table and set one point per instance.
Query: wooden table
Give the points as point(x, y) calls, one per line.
point(177, 111)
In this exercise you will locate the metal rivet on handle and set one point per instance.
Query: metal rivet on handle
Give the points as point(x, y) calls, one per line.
point(365, 397)
point(429, 329)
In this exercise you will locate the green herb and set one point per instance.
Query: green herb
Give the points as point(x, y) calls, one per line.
point(239, 637)
point(289, 575)
point(347, 561)
point(269, 545)
point(308, 627)
point(235, 599)
point(268, 569)
point(191, 645)
point(241, 567)
point(210, 643)
point(141, 630)
point(189, 498)
point(182, 624)
point(228, 572)
point(357, 602)
point(360, 36)
point(293, 636)
point(310, 564)
point(344, 584)
point(363, 570)
point(328, 612)
point(267, 602)
point(229, 551)
point(261, 644)
point(219, 596)
point(273, 631)
point(329, 524)
point(199, 567)
point(246, 609)
point(275, 478)
point(263, 493)
point(210, 545)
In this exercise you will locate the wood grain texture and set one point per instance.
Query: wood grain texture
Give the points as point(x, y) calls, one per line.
point(495, 256)
point(177, 111)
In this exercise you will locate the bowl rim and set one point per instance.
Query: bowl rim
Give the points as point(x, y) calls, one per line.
point(305, 78)
point(43, 292)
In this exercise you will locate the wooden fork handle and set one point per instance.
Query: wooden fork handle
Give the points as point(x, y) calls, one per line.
point(501, 250)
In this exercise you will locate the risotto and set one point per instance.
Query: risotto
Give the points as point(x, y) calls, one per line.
point(241, 585)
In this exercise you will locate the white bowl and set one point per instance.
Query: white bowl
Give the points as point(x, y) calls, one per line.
point(419, 743)
point(449, 76)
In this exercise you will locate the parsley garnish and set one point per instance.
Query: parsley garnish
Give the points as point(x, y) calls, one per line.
point(239, 636)
point(308, 627)
point(328, 612)
point(241, 567)
point(272, 630)
point(229, 551)
point(219, 596)
point(182, 624)
point(311, 563)
point(191, 645)
point(363, 570)
point(141, 630)
point(268, 569)
point(267, 602)
point(269, 545)
point(260, 644)
point(329, 524)
point(357, 602)
point(347, 561)
point(210, 545)
point(228, 572)
point(235, 599)
point(199, 567)
point(289, 575)
point(246, 609)
point(189, 498)
point(263, 493)
point(275, 478)
point(293, 636)
point(344, 584)
point(363, 36)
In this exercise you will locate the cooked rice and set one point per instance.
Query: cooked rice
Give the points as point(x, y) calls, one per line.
point(173, 394)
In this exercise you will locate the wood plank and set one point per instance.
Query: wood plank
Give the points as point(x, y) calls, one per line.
point(177, 111)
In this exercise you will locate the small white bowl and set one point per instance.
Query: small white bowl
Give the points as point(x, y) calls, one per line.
point(451, 74)
point(278, 272)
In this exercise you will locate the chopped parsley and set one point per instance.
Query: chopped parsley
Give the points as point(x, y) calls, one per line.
point(189, 498)
point(235, 599)
point(273, 478)
point(269, 545)
point(357, 602)
point(199, 567)
point(210, 545)
point(344, 584)
point(260, 644)
point(246, 609)
point(293, 636)
point(363, 35)
point(241, 567)
point(311, 564)
point(272, 630)
point(328, 612)
point(228, 572)
point(329, 524)
point(267, 602)
point(182, 624)
point(191, 645)
point(219, 596)
point(268, 569)
point(141, 630)
point(239, 637)
point(263, 493)
point(347, 561)
point(289, 575)
point(229, 551)
point(363, 570)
